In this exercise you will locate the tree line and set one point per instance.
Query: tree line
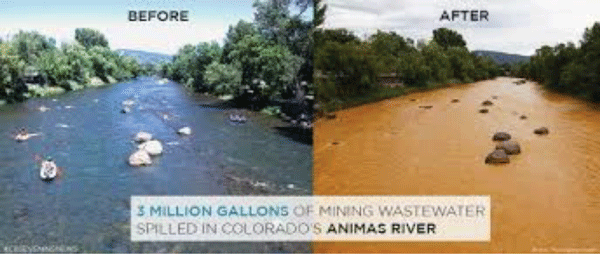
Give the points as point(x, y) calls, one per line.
point(350, 67)
point(270, 56)
point(70, 66)
point(567, 67)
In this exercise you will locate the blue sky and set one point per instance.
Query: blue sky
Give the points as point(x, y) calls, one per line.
point(208, 20)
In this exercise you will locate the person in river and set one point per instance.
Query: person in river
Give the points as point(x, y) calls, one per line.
point(49, 170)
point(22, 135)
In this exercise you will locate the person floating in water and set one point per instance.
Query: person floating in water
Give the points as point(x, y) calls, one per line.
point(48, 170)
point(23, 135)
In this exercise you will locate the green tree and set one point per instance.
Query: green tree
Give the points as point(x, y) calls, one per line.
point(89, 37)
point(448, 38)
point(223, 79)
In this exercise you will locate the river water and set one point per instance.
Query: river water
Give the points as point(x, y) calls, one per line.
point(547, 199)
point(88, 136)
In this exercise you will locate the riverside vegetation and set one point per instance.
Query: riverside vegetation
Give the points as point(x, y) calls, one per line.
point(567, 68)
point(348, 67)
point(260, 63)
point(32, 65)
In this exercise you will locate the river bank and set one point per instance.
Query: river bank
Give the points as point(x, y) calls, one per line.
point(426, 144)
point(377, 95)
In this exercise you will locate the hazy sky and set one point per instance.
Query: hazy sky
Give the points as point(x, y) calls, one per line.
point(515, 26)
point(208, 20)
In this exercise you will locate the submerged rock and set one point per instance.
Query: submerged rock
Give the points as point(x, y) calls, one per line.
point(185, 131)
point(498, 156)
point(541, 131)
point(487, 103)
point(484, 110)
point(455, 100)
point(152, 147)
point(523, 117)
point(426, 107)
point(140, 158)
point(494, 97)
point(142, 137)
point(510, 147)
point(330, 115)
point(125, 110)
point(501, 136)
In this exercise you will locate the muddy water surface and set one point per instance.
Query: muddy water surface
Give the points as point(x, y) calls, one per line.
point(547, 199)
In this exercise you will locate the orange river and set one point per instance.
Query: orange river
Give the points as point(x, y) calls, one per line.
point(547, 199)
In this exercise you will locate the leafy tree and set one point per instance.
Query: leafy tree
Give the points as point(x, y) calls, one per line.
point(223, 79)
point(438, 62)
point(448, 38)
point(29, 45)
point(89, 37)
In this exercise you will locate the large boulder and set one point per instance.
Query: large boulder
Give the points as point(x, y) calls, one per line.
point(185, 131)
point(498, 156)
point(152, 147)
point(142, 137)
point(140, 158)
point(501, 136)
point(510, 147)
point(96, 81)
point(541, 131)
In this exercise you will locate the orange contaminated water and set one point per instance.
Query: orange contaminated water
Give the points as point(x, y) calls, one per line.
point(547, 199)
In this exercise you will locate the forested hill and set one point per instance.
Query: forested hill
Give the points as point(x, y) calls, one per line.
point(144, 57)
point(501, 57)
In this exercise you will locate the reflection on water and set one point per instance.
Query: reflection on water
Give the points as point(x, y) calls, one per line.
point(87, 135)
point(547, 198)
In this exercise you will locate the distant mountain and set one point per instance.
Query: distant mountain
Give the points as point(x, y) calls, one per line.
point(502, 58)
point(144, 57)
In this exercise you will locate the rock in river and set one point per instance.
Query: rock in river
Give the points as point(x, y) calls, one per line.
point(501, 136)
point(455, 100)
point(541, 131)
point(142, 137)
point(523, 117)
point(128, 103)
point(140, 158)
point(510, 147)
point(487, 103)
point(152, 147)
point(185, 131)
point(497, 157)
point(484, 110)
